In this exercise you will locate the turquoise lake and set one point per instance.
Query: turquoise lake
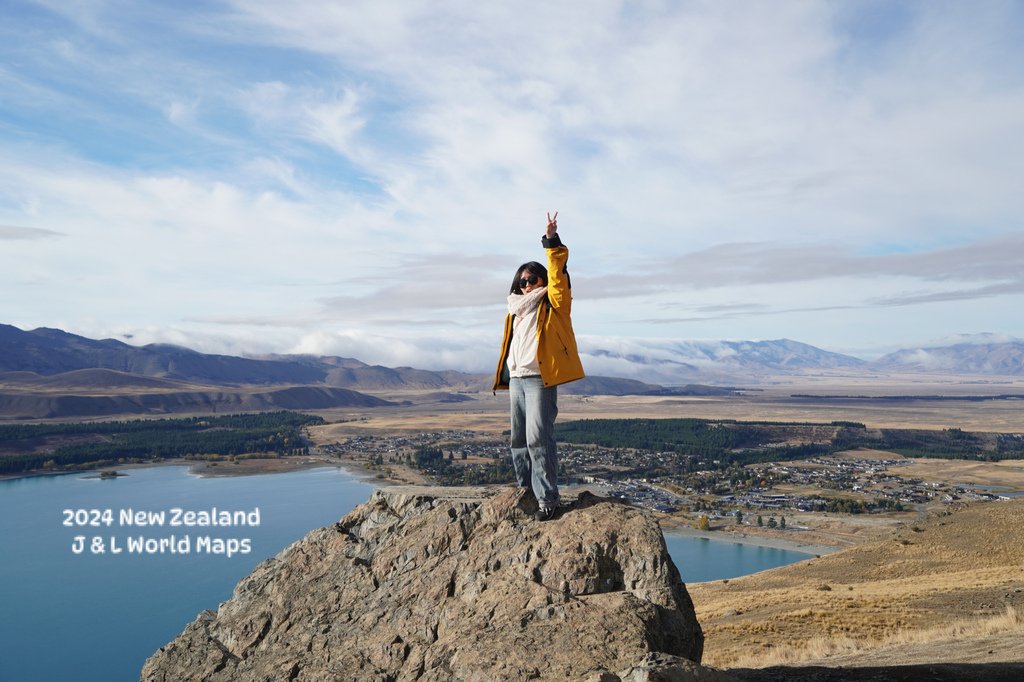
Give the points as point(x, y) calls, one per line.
point(92, 616)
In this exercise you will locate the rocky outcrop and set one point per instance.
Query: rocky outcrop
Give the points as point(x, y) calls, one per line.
point(454, 584)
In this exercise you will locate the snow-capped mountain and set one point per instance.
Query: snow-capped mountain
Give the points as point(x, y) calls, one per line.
point(674, 362)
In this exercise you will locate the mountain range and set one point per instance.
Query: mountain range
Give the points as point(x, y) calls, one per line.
point(1002, 358)
point(42, 370)
point(673, 362)
point(47, 351)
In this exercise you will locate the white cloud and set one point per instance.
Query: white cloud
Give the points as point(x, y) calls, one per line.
point(13, 232)
point(980, 339)
point(721, 123)
point(327, 118)
point(742, 170)
point(182, 113)
point(461, 352)
point(336, 123)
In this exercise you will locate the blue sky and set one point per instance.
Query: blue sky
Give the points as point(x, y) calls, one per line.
point(361, 178)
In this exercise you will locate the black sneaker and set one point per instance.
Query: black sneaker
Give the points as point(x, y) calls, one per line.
point(545, 514)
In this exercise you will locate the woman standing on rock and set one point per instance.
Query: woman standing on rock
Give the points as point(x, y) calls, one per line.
point(538, 352)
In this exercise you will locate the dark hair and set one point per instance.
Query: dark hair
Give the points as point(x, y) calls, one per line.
point(534, 268)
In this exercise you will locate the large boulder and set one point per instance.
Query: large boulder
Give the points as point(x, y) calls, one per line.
point(449, 584)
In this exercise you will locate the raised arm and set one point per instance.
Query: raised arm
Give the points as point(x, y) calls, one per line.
point(559, 286)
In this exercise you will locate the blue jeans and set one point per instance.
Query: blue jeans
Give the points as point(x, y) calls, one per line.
point(534, 452)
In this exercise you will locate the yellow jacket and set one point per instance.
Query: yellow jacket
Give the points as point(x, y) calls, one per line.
point(557, 354)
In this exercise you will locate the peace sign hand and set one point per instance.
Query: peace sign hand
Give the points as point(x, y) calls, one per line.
point(552, 224)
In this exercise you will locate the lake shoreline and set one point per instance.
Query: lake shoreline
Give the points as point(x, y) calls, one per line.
point(790, 545)
point(245, 467)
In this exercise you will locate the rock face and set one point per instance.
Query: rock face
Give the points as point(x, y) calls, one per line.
point(450, 584)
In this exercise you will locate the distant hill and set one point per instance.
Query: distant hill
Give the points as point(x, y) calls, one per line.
point(49, 373)
point(785, 354)
point(50, 405)
point(51, 359)
point(48, 352)
point(607, 386)
point(351, 373)
point(89, 379)
point(52, 351)
point(597, 385)
point(1005, 358)
point(443, 397)
point(679, 362)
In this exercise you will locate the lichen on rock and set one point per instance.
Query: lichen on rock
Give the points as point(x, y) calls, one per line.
point(449, 584)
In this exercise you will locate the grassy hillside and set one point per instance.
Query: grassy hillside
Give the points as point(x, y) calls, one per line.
point(949, 588)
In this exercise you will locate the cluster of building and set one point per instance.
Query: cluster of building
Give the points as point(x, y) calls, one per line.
point(872, 478)
point(401, 448)
point(639, 492)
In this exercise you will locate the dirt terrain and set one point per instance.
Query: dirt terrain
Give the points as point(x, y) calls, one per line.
point(1006, 475)
point(772, 400)
point(947, 589)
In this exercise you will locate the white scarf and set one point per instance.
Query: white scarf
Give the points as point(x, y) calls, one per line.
point(521, 304)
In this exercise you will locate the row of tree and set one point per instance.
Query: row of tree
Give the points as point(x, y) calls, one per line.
point(271, 432)
point(443, 469)
point(721, 443)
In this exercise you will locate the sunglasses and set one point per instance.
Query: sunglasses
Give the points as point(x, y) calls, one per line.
point(531, 279)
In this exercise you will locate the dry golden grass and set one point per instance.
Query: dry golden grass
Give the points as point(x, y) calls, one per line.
point(962, 568)
point(770, 401)
point(1008, 474)
point(867, 453)
point(486, 416)
point(773, 402)
point(834, 649)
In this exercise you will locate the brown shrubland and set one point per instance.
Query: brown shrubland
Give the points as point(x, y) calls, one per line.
point(955, 579)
